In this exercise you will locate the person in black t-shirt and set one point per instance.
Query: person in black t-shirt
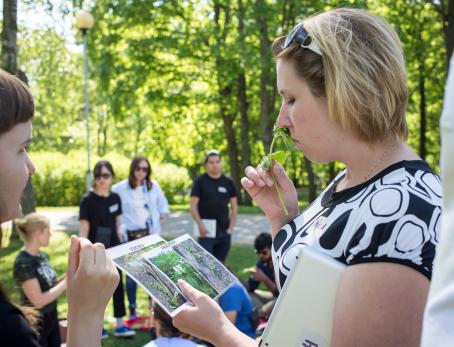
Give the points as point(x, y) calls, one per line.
point(99, 216)
point(211, 195)
point(36, 278)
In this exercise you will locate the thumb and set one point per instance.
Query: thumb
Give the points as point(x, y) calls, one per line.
point(281, 176)
point(189, 291)
point(73, 257)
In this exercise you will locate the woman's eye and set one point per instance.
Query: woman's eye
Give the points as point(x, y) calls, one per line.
point(24, 150)
point(290, 101)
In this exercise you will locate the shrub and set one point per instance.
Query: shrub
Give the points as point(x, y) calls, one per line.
point(60, 178)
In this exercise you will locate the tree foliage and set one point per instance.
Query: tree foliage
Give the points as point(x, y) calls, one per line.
point(172, 79)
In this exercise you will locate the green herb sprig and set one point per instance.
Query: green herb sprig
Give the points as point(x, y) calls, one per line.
point(266, 163)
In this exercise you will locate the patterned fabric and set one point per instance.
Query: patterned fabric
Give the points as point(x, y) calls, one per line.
point(393, 217)
point(27, 266)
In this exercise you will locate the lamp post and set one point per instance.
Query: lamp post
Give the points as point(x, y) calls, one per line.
point(84, 22)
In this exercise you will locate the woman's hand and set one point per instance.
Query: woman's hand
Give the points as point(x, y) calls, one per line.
point(260, 186)
point(207, 321)
point(91, 281)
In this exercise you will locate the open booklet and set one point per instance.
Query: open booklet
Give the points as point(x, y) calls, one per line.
point(156, 265)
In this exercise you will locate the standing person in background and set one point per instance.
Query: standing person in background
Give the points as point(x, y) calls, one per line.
point(144, 209)
point(36, 277)
point(210, 197)
point(99, 217)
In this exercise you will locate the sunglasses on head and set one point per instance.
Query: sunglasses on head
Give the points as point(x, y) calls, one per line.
point(300, 36)
point(141, 168)
point(104, 176)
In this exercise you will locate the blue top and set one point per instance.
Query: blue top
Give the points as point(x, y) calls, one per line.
point(237, 299)
point(253, 285)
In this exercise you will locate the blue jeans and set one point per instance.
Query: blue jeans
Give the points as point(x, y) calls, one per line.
point(131, 291)
point(218, 246)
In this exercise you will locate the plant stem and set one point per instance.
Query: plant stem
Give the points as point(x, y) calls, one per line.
point(278, 191)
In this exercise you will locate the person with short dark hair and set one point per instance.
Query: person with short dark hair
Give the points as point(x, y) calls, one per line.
point(99, 217)
point(91, 276)
point(211, 194)
point(263, 273)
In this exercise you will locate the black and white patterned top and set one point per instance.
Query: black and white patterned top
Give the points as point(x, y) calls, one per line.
point(393, 217)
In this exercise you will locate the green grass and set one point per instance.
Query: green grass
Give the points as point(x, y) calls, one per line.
point(240, 257)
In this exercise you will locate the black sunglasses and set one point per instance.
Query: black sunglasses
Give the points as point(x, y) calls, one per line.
point(300, 36)
point(104, 175)
point(141, 168)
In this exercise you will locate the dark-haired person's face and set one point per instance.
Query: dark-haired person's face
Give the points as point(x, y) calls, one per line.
point(264, 254)
point(213, 165)
point(103, 180)
point(140, 171)
point(15, 168)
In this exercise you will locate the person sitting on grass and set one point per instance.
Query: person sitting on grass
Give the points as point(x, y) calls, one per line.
point(36, 278)
point(237, 306)
point(167, 334)
point(263, 273)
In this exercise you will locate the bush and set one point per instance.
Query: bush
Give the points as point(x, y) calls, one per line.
point(60, 178)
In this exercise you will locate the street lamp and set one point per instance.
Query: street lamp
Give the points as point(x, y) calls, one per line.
point(84, 22)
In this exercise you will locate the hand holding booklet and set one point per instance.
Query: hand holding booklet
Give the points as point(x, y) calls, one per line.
point(157, 265)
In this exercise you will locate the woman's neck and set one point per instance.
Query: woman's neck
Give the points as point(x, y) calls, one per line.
point(102, 191)
point(32, 247)
point(365, 160)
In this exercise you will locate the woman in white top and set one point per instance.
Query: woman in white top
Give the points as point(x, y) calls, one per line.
point(144, 208)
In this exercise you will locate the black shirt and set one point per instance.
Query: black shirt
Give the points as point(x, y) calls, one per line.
point(14, 328)
point(214, 195)
point(101, 213)
point(28, 266)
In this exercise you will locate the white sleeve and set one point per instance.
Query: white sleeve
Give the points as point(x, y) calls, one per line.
point(439, 315)
point(163, 205)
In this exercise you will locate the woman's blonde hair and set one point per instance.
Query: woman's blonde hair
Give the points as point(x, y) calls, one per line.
point(361, 71)
point(31, 223)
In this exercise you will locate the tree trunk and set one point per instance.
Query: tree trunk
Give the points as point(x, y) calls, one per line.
point(225, 95)
point(246, 149)
point(232, 151)
point(312, 188)
point(243, 105)
point(267, 85)
point(9, 36)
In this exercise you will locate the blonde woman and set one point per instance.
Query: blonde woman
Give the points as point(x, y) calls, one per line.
point(341, 75)
point(36, 278)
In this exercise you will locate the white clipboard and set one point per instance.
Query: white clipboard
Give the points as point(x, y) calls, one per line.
point(303, 313)
point(210, 224)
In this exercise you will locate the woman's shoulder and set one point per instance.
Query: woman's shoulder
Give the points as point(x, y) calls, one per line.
point(120, 186)
point(15, 329)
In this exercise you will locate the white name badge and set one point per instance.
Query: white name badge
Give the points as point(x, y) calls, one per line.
point(113, 208)
point(222, 190)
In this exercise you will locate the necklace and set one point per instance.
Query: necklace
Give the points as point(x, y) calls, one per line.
point(342, 184)
point(379, 162)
